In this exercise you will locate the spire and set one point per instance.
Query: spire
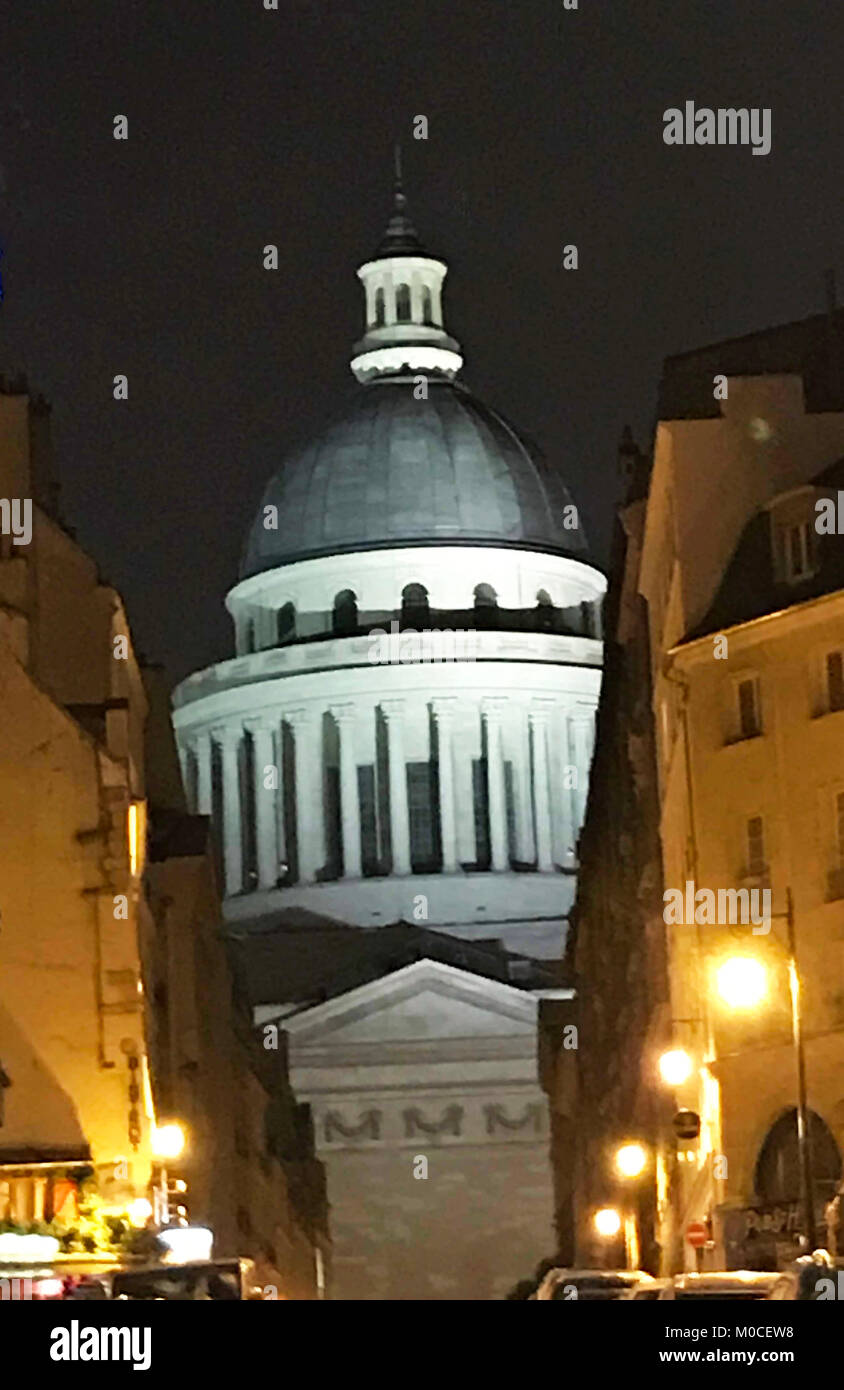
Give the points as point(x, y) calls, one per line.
point(401, 237)
point(404, 318)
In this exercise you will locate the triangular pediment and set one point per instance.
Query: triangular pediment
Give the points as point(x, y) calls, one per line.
point(424, 1002)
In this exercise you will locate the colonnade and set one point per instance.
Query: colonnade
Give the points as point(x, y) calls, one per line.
point(538, 738)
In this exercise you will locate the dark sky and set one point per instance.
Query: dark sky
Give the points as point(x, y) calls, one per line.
point(248, 127)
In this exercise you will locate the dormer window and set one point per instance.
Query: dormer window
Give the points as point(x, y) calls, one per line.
point(797, 552)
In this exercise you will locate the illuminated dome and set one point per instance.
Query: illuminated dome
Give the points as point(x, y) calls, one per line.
point(394, 470)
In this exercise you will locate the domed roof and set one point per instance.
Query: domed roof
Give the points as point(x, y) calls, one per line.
point(394, 471)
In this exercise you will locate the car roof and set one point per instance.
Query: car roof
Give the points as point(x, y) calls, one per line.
point(725, 1279)
point(633, 1276)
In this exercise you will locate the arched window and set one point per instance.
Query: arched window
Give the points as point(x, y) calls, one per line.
point(379, 308)
point(544, 611)
point(286, 623)
point(778, 1167)
point(345, 615)
point(486, 606)
point(403, 304)
point(427, 307)
point(415, 608)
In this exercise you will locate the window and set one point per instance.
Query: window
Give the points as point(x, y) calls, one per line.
point(756, 865)
point(403, 304)
point(345, 616)
point(285, 623)
point(749, 717)
point(415, 609)
point(797, 552)
point(427, 308)
point(486, 606)
point(835, 680)
point(379, 308)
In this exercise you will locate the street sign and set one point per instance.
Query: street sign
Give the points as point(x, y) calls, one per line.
point(697, 1234)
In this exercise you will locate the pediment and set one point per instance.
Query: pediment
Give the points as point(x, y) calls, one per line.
point(424, 1002)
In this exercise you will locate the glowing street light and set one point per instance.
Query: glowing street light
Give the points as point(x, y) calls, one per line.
point(631, 1160)
point(742, 982)
point(675, 1067)
point(140, 1211)
point(607, 1222)
point(168, 1141)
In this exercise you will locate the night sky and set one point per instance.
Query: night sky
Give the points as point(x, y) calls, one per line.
point(248, 127)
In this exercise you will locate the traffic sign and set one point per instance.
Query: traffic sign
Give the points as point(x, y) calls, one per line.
point(697, 1234)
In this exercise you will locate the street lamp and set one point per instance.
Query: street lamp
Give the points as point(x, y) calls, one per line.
point(607, 1222)
point(168, 1141)
point(675, 1067)
point(742, 983)
point(630, 1160)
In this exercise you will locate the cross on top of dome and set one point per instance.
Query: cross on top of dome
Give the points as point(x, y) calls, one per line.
point(401, 236)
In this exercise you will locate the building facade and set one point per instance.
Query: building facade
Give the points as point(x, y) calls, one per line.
point(404, 735)
point(742, 586)
point(117, 1012)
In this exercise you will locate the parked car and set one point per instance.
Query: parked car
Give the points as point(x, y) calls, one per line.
point(802, 1282)
point(724, 1284)
point(203, 1280)
point(650, 1289)
point(589, 1284)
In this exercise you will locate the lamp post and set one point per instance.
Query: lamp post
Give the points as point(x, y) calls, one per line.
point(741, 983)
point(631, 1160)
point(168, 1141)
point(804, 1139)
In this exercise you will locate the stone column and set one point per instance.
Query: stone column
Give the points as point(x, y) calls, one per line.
point(525, 848)
point(541, 800)
point(389, 300)
point(581, 724)
point(281, 803)
point(229, 740)
point(185, 766)
point(499, 851)
point(202, 752)
point(567, 801)
point(444, 714)
point(346, 717)
point(310, 792)
point(265, 802)
point(393, 711)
